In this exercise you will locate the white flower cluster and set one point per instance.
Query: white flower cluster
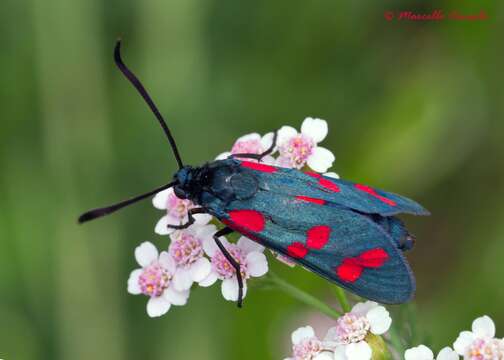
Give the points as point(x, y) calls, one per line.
point(346, 340)
point(478, 344)
point(192, 256)
point(295, 150)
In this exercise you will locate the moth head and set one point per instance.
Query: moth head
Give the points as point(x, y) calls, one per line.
point(183, 182)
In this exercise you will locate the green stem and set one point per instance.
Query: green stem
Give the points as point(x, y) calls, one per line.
point(395, 340)
point(303, 296)
point(342, 298)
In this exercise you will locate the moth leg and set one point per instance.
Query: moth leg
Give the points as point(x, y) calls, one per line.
point(232, 261)
point(258, 157)
point(191, 219)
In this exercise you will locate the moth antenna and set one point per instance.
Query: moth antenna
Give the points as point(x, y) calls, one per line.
point(97, 213)
point(145, 95)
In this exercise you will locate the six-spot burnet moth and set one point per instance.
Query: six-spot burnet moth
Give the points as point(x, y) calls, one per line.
point(346, 232)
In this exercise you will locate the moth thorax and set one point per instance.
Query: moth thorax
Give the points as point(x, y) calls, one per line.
point(244, 185)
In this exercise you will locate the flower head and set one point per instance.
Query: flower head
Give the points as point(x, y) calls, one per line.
point(176, 211)
point(186, 249)
point(246, 252)
point(298, 149)
point(306, 346)
point(480, 343)
point(422, 352)
point(251, 144)
point(155, 280)
point(348, 337)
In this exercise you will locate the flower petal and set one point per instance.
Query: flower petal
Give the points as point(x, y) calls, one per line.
point(320, 160)
point(332, 175)
point(285, 133)
point(209, 280)
point(332, 334)
point(314, 128)
point(483, 327)
point(229, 289)
point(210, 247)
point(248, 245)
point(133, 286)
point(324, 355)
point(161, 199)
point(447, 353)
point(340, 353)
point(145, 253)
point(162, 226)
point(302, 333)
point(362, 308)
point(420, 352)
point(200, 269)
point(176, 297)
point(269, 160)
point(464, 339)
point(249, 137)
point(267, 140)
point(157, 306)
point(379, 319)
point(166, 260)
point(204, 231)
point(223, 156)
point(202, 219)
point(285, 259)
point(358, 351)
point(257, 264)
point(182, 279)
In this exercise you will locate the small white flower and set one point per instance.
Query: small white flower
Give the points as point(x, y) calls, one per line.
point(306, 346)
point(176, 211)
point(297, 149)
point(247, 253)
point(251, 144)
point(480, 343)
point(354, 351)
point(347, 338)
point(447, 353)
point(154, 279)
point(186, 248)
point(422, 352)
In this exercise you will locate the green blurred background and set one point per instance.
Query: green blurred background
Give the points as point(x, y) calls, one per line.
point(413, 107)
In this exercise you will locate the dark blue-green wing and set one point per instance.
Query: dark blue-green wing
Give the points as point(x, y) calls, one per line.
point(344, 193)
point(341, 245)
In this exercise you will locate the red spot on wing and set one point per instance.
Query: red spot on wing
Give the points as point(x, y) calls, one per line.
point(328, 184)
point(297, 250)
point(372, 192)
point(351, 268)
point(310, 199)
point(240, 230)
point(249, 220)
point(317, 236)
point(374, 258)
point(348, 271)
point(259, 167)
point(313, 174)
